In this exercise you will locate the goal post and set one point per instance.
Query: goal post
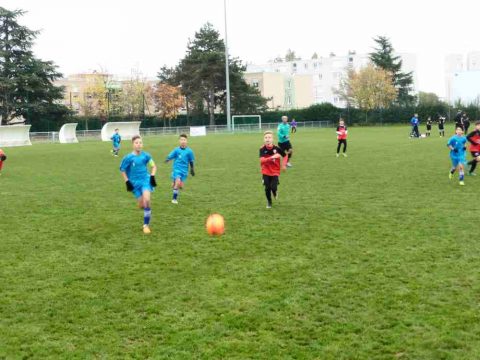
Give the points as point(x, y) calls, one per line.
point(246, 121)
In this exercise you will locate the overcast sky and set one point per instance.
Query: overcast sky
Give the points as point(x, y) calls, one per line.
point(120, 35)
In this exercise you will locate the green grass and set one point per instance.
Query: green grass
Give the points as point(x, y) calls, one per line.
point(374, 256)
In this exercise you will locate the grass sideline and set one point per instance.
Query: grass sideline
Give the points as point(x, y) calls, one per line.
point(374, 256)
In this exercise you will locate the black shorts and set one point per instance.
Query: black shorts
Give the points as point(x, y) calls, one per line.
point(429, 128)
point(270, 181)
point(441, 128)
point(475, 154)
point(285, 146)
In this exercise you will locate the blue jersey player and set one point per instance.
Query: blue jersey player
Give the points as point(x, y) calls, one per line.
point(138, 179)
point(116, 140)
point(457, 147)
point(182, 157)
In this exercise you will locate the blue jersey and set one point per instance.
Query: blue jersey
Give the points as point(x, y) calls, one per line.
point(116, 139)
point(135, 166)
point(414, 121)
point(283, 132)
point(458, 143)
point(181, 159)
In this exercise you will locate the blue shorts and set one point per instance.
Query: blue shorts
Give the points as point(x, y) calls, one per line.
point(457, 160)
point(140, 186)
point(179, 175)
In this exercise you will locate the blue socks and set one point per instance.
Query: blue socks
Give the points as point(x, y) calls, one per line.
point(175, 194)
point(147, 214)
point(461, 175)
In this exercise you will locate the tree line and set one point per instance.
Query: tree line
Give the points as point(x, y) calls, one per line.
point(196, 84)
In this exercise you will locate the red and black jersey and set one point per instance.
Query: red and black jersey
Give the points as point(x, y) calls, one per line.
point(341, 132)
point(270, 167)
point(474, 139)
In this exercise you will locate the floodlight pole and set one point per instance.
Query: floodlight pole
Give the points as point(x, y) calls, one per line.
point(227, 72)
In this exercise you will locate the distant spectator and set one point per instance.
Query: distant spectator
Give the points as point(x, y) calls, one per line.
point(415, 122)
point(466, 122)
point(458, 120)
point(293, 124)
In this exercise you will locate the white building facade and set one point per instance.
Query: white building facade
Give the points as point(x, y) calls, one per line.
point(326, 72)
point(462, 78)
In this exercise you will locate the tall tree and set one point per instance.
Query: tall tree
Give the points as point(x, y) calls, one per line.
point(384, 58)
point(201, 76)
point(371, 88)
point(291, 56)
point(26, 83)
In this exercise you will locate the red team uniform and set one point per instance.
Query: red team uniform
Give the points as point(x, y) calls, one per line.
point(474, 139)
point(3, 157)
point(270, 170)
point(342, 138)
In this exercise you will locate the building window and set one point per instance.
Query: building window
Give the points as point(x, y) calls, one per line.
point(255, 83)
point(350, 59)
point(320, 76)
point(306, 66)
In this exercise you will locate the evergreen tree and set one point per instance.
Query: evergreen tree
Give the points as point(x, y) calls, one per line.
point(384, 58)
point(26, 83)
point(201, 75)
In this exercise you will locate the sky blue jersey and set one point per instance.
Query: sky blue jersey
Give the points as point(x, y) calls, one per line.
point(116, 138)
point(181, 159)
point(283, 132)
point(458, 143)
point(135, 166)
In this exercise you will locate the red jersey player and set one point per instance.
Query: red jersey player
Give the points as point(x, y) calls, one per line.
point(342, 137)
point(3, 157)
point(270, 162)
point(474, 139)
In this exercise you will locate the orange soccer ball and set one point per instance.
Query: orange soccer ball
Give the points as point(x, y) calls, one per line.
point(215, 224)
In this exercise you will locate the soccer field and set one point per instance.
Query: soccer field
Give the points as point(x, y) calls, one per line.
point(374, 256)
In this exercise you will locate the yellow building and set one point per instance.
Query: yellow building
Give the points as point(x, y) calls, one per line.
point(283, 91)
point(79, 88)
point(76, 86)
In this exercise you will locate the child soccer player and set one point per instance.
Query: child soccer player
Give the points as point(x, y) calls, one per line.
point(283, 132)
point(429, 126)
point(182, 156)
point(138, 180)
point(342, 137)
point(441, 126)
point(456, 144)
point(270, 158)
point(3, 157)
point(116, 139)
point(474, 139)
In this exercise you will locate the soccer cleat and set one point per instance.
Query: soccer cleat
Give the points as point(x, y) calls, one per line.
point(450, 176)
point(288, 164)
point(338, 155)
point(146, 229)
point(174, 201)
point(269, 206)
point(461, 183)
point(472, 174)
point(275, 196)
point(344, 155)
